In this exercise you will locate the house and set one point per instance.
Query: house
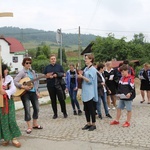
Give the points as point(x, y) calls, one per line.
point(12, 52)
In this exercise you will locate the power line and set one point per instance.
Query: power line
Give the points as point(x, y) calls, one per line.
point(115, 30)
point(95, 10)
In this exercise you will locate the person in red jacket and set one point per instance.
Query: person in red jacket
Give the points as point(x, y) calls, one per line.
point(131, 71)
point(126, 93)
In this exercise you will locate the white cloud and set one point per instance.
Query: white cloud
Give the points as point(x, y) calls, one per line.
point(94, 16)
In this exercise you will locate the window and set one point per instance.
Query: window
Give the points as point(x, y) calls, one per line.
point(15, 59)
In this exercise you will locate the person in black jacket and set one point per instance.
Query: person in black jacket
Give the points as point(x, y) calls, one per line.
point(102, 92)
point(126, 93)
point(54, 74)
point(111, 79)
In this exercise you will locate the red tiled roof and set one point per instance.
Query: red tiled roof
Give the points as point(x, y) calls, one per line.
point(116, 63)
point(15, 45)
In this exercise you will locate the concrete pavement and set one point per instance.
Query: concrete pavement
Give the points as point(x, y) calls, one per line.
point(66, 134)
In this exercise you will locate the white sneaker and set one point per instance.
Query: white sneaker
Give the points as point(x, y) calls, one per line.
point(114, 108)
point(108, 108)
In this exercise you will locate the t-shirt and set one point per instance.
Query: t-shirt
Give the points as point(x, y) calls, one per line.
point(72, 77)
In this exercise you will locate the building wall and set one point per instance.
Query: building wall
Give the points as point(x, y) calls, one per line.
point(8, 57)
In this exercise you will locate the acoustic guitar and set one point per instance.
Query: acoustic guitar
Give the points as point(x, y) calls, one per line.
point(26, 81)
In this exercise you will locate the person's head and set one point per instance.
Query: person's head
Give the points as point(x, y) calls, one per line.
point(124, 70)
point(52, 59)
point(100, 67)
point(89, 59)
point(120, 64)
point(71, 66)
point(126, 62)
point(27, 61)
point(146, 66)
point(108, 65)
point(4, 70)
point(95, 64)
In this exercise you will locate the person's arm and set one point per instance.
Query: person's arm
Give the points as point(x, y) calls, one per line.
point(83, 77)
point(18, 77)
point(60, 73)
point(12, 88)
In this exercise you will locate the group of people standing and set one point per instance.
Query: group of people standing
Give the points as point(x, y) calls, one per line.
point(56, 87)
point(99, 85)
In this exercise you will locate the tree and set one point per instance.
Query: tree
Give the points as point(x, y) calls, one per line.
point(64, 58)
point(43, 50)
point(138, 38)
point(104, 48)
point(39, 63)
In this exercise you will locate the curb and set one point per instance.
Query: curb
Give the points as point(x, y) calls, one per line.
point(43, 100)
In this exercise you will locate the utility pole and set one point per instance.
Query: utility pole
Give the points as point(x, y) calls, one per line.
point(79, 49)
point(59, 41)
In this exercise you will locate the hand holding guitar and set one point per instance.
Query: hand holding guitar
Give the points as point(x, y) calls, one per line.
point(26, 87)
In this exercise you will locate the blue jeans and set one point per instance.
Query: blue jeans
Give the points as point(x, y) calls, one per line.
point(26, 99)
point(98, 104)
point(123, 103)
point(73, 97)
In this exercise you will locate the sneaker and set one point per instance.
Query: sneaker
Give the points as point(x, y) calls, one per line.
point(109, 116)
point(108, 108)
point(114, 122)
point(74, 112)
point(92, 128)
point(126, 124)
point(114, 108)
point(79, 112)
point(100, 116)
point(86, 127)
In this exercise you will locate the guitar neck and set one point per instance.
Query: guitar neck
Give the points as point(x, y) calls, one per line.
point(31, 81)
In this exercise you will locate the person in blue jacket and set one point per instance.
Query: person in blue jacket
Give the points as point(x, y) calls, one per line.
point(72, 88)
point(89, 92)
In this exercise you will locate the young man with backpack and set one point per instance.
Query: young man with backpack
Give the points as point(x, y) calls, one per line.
point(126, 93)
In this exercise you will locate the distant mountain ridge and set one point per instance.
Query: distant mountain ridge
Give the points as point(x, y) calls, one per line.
point(29, 34)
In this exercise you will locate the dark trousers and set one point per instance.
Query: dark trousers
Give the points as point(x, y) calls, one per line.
point(53, 92)
point(26, 99)
point(89, 108)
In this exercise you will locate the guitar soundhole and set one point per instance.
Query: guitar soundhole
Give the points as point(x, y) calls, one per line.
point(28, 83)
point(24, 83)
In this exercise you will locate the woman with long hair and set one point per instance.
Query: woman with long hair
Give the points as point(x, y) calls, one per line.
point(9, 129)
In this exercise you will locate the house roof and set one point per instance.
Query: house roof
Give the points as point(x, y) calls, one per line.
point(116, 63)
point(15, 45)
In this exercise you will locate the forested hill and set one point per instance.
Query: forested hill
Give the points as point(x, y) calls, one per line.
point(29, 35)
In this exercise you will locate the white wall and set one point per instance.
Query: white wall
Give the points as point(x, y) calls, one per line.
point(7, 57)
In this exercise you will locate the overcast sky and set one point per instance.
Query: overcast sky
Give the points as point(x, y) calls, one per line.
point(99, 17)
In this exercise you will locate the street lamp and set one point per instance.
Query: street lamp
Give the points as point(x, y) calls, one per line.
point(59, 41)
point(3, 14)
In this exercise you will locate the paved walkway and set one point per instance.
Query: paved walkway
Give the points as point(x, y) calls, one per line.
point(66, 134)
